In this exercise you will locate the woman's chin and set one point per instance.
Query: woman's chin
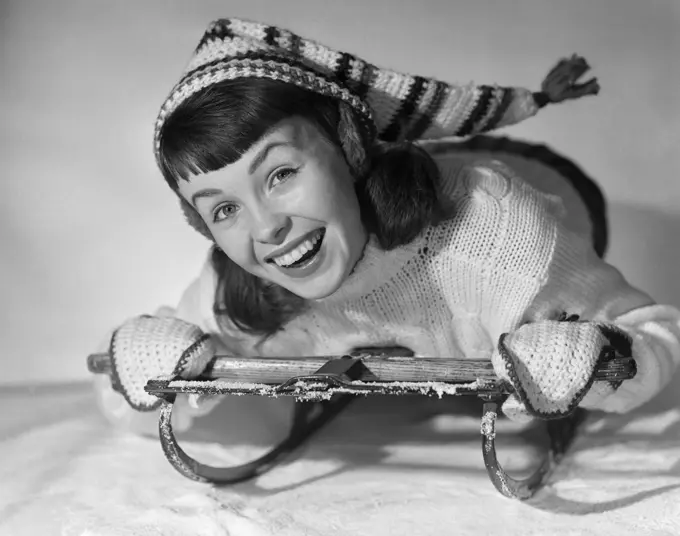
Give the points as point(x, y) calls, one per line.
point(317, 281)
point(314, 290)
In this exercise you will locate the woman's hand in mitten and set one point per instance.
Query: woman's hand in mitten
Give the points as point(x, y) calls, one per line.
point(148, 347)
point(561, 82)
point(551, 365)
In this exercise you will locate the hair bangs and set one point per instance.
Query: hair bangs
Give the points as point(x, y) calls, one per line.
point(216, 126)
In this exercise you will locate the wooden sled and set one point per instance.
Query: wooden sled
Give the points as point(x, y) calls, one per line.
point(326, 385)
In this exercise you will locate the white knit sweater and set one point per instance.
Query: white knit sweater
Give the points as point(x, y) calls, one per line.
point(516, 250)
point(511, 253)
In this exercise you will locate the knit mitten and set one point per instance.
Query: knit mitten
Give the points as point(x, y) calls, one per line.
point(147, 347)
point(561, 82)
point(551, 365)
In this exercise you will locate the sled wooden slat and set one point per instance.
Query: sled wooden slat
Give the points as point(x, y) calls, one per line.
point(384, 368)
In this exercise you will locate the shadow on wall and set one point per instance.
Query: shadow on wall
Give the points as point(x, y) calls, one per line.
point(645, 247)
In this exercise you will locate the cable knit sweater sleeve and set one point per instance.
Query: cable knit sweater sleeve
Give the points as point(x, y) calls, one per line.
point(588, 286)
point(571, 278)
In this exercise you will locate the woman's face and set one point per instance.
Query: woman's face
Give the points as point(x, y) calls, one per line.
point(286, 211)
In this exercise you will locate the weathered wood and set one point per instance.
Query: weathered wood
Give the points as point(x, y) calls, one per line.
point(385, 367)
point(388, 368)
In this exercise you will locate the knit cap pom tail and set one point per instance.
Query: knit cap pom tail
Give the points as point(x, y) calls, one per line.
point(561, 82)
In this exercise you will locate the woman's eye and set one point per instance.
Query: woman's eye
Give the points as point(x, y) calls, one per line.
point(281, 175)
point(224, 212)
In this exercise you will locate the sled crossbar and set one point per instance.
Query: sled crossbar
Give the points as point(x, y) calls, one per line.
point(243, 375)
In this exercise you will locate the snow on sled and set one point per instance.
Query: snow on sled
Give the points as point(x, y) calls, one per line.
point(326, 385)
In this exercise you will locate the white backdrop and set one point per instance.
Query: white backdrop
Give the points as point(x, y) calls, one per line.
point(90, 234)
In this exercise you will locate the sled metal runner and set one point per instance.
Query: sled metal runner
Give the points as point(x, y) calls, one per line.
point(324, 386)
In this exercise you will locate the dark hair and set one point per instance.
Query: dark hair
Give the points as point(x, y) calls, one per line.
point(397, 183)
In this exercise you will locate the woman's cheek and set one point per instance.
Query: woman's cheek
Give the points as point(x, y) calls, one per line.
point(239, 251)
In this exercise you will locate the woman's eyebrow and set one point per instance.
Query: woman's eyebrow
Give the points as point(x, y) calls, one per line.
point(262, 154)
point(205, 193)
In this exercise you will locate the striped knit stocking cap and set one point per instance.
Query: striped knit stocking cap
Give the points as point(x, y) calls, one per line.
point(393, 105)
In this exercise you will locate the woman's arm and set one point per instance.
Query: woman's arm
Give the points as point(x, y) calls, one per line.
point(538, 249)
point(192, 308)
point(594, 290)
point(259, 419)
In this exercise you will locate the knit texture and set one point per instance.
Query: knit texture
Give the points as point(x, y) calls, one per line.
point(393, 105)
point(510, 255)
point(451, 292)
point(551, 363)
point(148, 347)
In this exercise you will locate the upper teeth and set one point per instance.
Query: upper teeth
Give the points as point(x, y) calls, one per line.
point(295, 255)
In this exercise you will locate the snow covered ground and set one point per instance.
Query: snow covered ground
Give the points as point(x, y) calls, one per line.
point(406, 466)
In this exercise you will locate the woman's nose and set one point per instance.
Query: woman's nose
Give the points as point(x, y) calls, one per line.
point(270, 228)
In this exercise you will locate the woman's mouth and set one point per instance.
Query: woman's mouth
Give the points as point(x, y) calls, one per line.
point(305, 255)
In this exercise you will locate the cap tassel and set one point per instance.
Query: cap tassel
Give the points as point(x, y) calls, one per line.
point(561, 82)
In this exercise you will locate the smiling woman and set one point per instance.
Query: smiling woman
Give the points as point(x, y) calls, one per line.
point(334, 230)
point(292, 187)
point(266, 169)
